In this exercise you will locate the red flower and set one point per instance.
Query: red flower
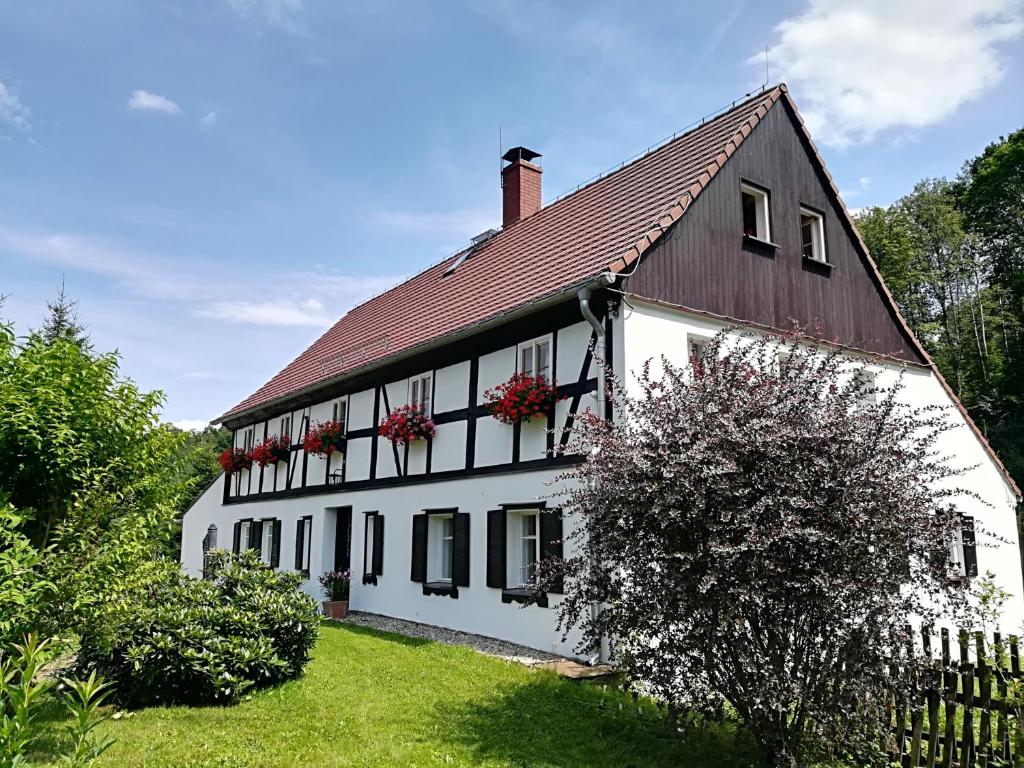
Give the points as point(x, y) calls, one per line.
point(521, 398)
point(406, 424)
point(234, 460)
point(324, 438)
point(270, 451)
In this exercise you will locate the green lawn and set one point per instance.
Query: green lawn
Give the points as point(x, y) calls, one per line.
point(375, 699)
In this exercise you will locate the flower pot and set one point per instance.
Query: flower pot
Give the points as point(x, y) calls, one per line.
point(335, 609)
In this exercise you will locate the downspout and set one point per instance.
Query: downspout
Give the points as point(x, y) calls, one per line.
point(584, 295)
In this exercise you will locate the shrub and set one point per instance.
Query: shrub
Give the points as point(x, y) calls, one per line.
point(177, 639)
point(23, 589)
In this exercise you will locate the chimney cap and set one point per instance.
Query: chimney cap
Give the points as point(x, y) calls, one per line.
point(520, 153)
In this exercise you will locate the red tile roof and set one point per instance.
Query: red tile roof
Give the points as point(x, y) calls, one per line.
point(602, 226)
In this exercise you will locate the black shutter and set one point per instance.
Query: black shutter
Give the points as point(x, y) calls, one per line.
point(970, 545)
point(460, 549)
point(551, 543)
point(419, 548)
point(300, 530)
point(496, 528)
point(256, 535)
point(275, 545)
point(236, 537)
point(377, 559)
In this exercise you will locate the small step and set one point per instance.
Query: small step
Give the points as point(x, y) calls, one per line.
point(574, 670)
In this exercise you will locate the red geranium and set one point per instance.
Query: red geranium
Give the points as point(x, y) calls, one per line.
point(521, 398)
point(235, 460)
point(324, 438)
point(406, 424)
point(270, 451)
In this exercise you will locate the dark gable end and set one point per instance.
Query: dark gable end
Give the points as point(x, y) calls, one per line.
point(703, 263)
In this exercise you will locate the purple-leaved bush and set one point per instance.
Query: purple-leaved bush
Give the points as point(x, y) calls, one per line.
point(756, 529)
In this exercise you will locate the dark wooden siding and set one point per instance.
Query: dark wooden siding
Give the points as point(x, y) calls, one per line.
point(703, 263)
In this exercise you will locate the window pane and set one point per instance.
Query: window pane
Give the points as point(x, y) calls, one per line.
point(342, 414)
point(243, 537)
point(414, 392)
point(307, 543)
point(425, 395)
point(807, 235)
point(526, 360)
point(544, 360)
point(749, 215)
point(529, 525)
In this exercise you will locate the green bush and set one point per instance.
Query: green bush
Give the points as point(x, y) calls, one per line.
point(23, 589)
point(180, 640)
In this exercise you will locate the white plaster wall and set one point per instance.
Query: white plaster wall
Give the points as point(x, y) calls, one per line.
point(478, 608)
point(451, 385)
point(360, 410)
point(449, 449)
point(651, 331)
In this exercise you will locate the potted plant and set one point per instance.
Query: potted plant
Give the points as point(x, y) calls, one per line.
point(406, 424)
point(270, 451)
point(234, 460)
point(335, 585)
point(324, 438)
point(521, 398)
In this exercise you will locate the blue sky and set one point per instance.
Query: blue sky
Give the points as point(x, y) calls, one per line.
point(217, 181)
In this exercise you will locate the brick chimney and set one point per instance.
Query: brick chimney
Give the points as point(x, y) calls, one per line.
point(520, 185)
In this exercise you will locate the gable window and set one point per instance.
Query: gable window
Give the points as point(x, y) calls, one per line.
point(303, 544)
point(535, 358)
point(440, 551)
point(339, 413)
point(812, 235)
point(964, 549)
point(285, 431)
point(419, 392)
point(373, 547)
point(866, 384)
point(756, 219)
point(696, 347)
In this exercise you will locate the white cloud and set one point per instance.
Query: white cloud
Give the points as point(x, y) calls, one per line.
point(12, 111)
point(861, 68)
point(144, 101)
point(286, 14)
point(192, 425)
point(306, 312)
point(208, 120)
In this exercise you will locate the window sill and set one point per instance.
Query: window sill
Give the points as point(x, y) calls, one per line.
point(814, 265)
point(525, 596)
point(441, 588)
point(370, 578)
point(757, 245)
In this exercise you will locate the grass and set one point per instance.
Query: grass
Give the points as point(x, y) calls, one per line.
point(370, 698)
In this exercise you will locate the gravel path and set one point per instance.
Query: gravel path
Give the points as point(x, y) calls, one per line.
point(487, 645)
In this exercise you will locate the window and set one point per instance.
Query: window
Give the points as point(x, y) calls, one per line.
point(523, 554)
point(696, 347)
point(339, 413)
point(866, 383)
point(373, 547)
point(419, 392)
point(756, 221)
point(964, 549)
point(243, 537)
point(249, 438)
point(262, 536)
point(285, 431)
point(535, 358)
point(267, 545)
point(812, 235)
point(440, 551)
point(303, 544)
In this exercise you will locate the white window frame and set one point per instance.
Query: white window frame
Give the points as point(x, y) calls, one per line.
point(517, 571)
point(440, 547)
point(243, 535)
point(267, 544)
point(248, 438)
point(532, 349)
point(763, 206)
point(695, 343)
point(340, 405)
point(421, 390)
point(284, 430)
point(818, 252)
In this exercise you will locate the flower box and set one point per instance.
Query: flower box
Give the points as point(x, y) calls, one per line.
point(406, 424)
point(270, 451)
point(324, 438)
point(521, 398)
point(234, 460)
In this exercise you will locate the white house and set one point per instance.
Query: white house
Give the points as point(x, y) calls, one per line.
point(733, 222)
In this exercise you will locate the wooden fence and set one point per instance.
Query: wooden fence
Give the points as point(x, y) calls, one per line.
point(962, 712)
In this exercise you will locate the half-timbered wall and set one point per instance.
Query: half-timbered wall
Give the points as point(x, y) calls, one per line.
point(468, 440)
